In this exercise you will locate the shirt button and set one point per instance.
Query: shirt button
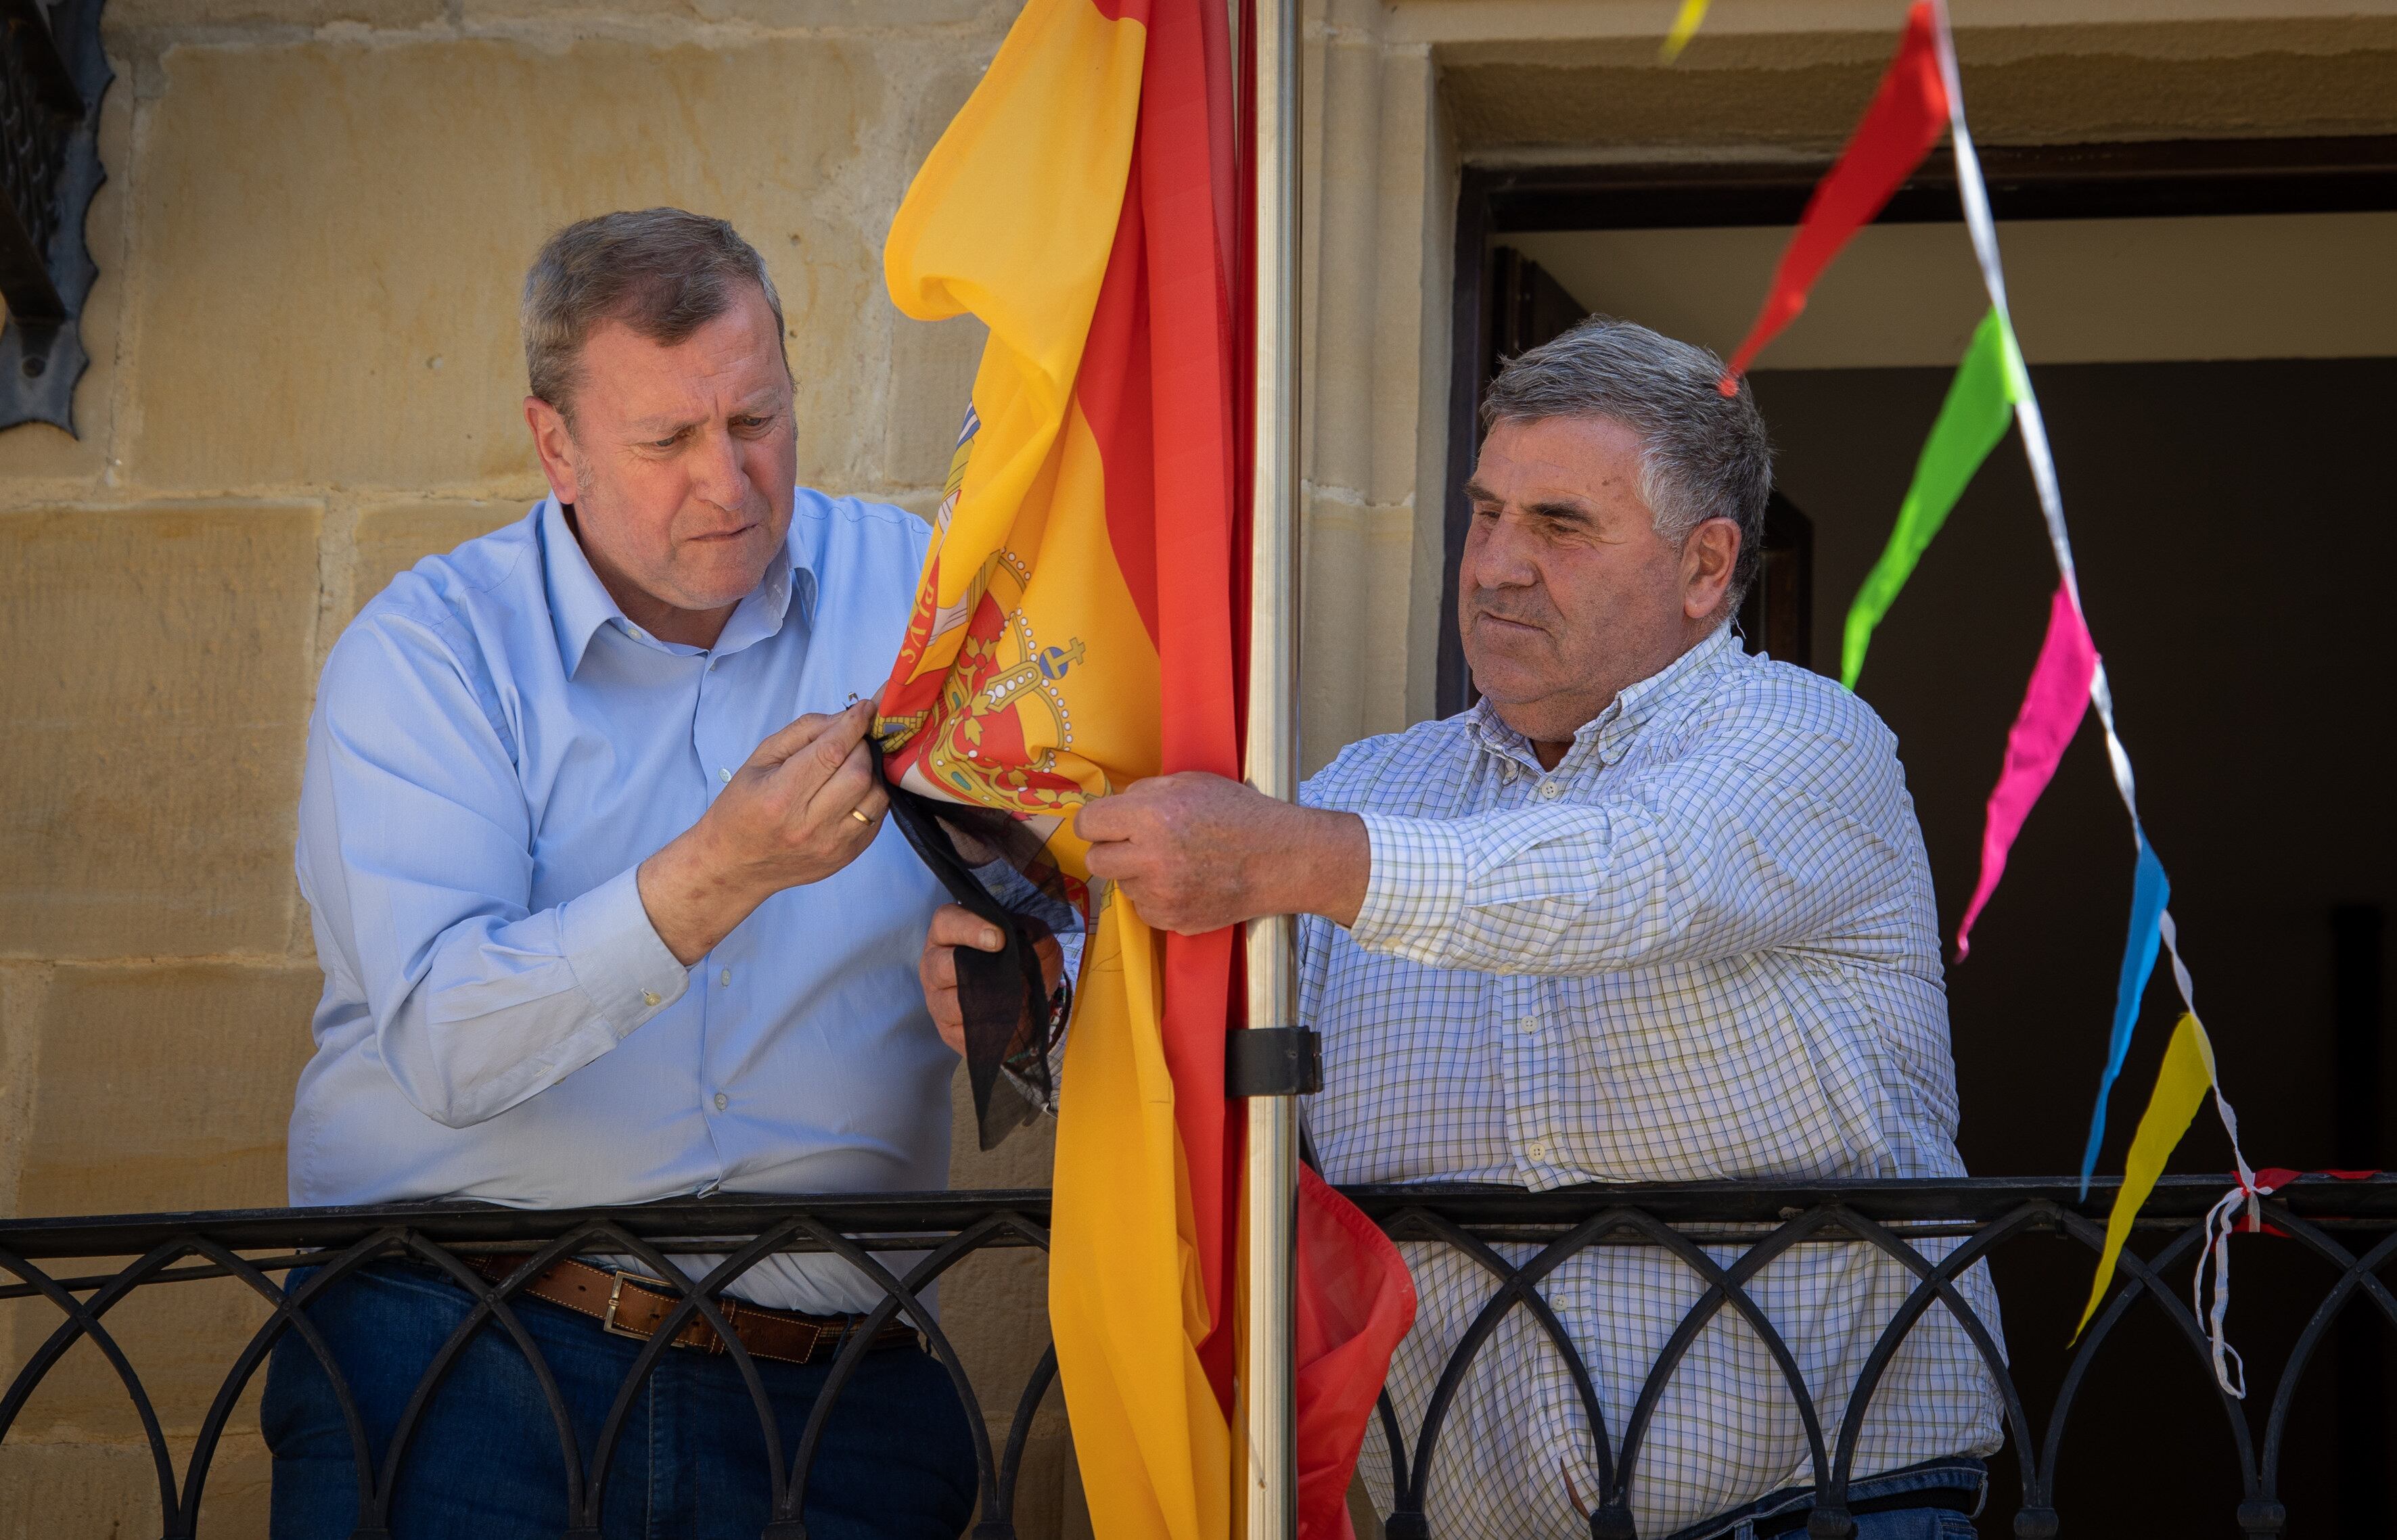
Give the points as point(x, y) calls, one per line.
point(648, 997)
point(1530, 1024)
point(724, 775)
point(1550, 791)
point(722, 1101)
point(725, 977)
point(1537, 1150)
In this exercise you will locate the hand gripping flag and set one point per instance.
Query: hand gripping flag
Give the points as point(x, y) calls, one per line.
point(1076, 631)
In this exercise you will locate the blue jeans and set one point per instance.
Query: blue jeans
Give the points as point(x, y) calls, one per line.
point(896, 1462)
point(1777, 1512)
point(1923, 1523)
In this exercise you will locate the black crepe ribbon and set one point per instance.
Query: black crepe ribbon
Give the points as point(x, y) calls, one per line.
point(1002, 994)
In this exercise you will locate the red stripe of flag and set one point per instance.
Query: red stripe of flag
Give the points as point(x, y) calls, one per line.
point(1163, 387)
point(1156, 387)
point(1186, 192)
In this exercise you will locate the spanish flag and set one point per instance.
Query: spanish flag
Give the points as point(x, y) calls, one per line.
point(1077, 629)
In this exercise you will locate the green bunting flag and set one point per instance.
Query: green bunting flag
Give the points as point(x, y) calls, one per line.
point(1980, 403)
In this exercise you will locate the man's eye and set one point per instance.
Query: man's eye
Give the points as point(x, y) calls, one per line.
point(665, 442)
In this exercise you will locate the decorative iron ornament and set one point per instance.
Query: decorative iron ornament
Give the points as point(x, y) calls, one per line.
point(943, 1229)
point(53, 74)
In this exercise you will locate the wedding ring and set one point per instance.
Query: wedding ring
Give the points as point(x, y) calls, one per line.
point(859, 816)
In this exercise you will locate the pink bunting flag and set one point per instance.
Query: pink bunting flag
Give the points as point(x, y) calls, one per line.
point(2051, 713)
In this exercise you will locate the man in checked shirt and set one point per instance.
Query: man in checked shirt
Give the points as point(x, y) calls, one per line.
point(1654, 909)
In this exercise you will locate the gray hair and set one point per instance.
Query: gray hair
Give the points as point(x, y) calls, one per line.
point(1703, 455)
point(661, 271)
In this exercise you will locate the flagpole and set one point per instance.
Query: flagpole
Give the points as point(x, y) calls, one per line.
point(1269, 1471)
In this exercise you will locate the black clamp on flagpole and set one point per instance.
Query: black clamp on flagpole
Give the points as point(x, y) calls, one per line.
point(1272, 1061)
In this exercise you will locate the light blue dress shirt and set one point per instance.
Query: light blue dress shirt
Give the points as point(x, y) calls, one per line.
point(495, 749)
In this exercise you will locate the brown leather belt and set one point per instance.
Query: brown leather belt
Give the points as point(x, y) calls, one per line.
point(629, 1305)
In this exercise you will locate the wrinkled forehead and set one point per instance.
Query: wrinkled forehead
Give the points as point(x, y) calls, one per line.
point(1592, 463)
point(728, 364)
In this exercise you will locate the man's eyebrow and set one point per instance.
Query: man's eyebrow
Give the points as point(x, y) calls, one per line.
point(660, 426)
point(758, 403)
point(1555, 511)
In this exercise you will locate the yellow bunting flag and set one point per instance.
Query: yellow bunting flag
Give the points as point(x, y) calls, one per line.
point(1685, 26)
point(2181, 1088)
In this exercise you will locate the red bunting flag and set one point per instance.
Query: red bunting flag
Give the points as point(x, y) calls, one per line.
point(1898, 131)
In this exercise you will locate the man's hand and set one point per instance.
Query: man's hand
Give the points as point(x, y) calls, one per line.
point(955, 925)
point(1195, 853)
point(806, 805)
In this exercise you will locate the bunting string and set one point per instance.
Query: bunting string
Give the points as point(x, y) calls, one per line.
point(1922, 92)
point(2152, 924)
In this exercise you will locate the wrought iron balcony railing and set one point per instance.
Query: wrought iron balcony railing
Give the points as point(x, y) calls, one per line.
point(1765, 1219)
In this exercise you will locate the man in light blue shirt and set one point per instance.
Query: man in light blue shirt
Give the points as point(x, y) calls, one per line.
point(608, 913)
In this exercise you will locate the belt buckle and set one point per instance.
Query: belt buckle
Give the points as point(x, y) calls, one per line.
point(607, 1319)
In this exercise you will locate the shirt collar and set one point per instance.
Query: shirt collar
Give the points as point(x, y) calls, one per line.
point(767, 606)
point(1632, 707)
point(1637, 702)
point(579, 603)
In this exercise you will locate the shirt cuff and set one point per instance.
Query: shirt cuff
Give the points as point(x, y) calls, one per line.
point(1414, 895)
point(616, 955)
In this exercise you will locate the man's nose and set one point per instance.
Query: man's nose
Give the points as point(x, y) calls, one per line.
point(718, 475)
point(1506, 557)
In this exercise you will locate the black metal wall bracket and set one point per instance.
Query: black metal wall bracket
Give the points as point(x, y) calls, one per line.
point(1272, 1061)
point(53, 74)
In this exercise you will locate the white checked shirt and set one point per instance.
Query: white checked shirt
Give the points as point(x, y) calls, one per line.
point(1701, 948)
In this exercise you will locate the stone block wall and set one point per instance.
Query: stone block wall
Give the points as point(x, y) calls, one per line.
point(307, 375)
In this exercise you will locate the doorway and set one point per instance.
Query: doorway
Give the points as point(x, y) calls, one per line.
point(2214, 339)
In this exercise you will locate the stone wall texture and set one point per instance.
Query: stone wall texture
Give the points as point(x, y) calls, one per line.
point(307, 374)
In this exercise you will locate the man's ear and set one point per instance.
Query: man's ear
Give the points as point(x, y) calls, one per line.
point(554, 442)
point(1708, 558)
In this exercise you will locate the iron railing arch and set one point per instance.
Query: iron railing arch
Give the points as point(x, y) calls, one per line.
point(1764, 1220)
